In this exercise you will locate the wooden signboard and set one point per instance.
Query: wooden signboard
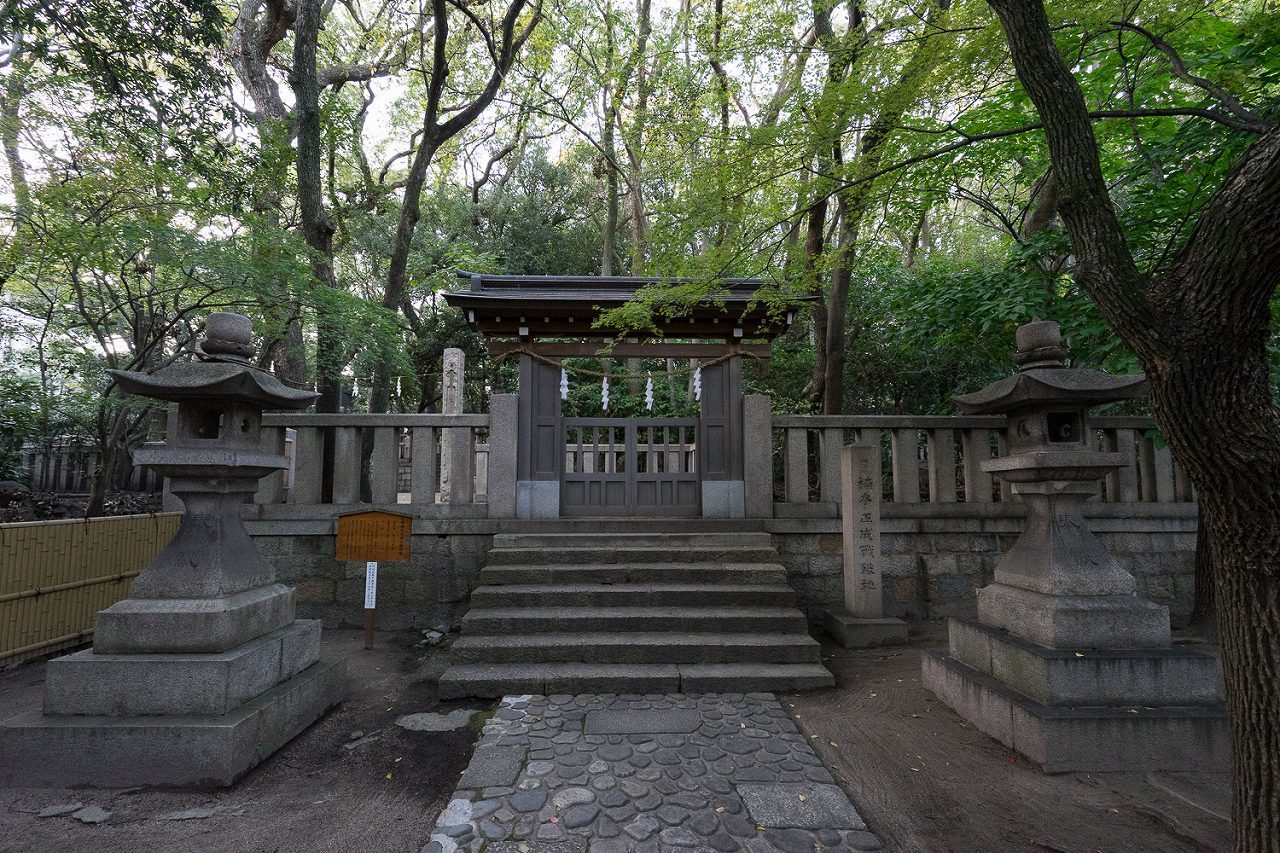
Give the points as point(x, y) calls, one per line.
point(373, 535)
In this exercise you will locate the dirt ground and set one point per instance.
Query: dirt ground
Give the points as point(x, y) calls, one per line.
point(928, 782)
point(313, 795)
point(924, 779)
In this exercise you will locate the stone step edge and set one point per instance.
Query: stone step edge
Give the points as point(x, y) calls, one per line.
point(753, 535)
point(747, 639)
point(499, 679)
point(690, 566)
point(635, 611)
point(630, 588)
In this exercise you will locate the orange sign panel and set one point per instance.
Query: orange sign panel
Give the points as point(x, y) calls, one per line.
point(373, 535)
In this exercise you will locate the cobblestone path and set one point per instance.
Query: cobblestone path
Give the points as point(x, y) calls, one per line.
point(605, 773)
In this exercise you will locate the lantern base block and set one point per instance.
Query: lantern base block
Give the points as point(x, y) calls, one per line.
point(197, 625)
point(1075, 621)
point(190, 750)
point(1082, 738)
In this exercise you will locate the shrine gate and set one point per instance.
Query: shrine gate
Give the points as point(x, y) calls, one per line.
point(602, 466)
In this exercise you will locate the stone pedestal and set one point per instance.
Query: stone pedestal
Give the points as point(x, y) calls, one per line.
point(1066, 663)
point(203, 671)
point(861, 623)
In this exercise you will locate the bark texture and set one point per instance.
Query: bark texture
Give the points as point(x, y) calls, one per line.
point(1200, 327)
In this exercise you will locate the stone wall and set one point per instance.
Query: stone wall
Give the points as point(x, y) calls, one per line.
point(934, 560)
point(430, 588)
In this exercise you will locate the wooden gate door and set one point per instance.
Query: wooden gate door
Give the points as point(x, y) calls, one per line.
point(630, 467)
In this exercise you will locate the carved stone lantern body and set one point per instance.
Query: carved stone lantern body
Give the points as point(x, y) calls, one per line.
point(1058, 586)
point(203, 671)
point(1066, 663)
point(209, 590)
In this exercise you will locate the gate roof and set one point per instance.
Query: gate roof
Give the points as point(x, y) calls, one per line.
point(535, 306)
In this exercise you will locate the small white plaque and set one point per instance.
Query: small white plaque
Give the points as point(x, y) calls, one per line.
point(370, 585)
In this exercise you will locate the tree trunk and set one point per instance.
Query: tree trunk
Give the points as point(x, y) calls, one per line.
point(610, 187)
point(1202, 612)
point(815, 234)
point(317, 228)
point(838, 311)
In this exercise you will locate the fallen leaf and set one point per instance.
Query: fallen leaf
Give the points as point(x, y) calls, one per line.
point(388, 775)
point(555, 819)
point(719, 809)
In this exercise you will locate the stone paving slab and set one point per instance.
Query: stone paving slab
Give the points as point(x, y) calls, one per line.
point(742, 778)
point(674, 721)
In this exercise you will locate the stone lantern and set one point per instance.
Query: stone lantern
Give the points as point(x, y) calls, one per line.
point(1066, 662)
point(203, 671)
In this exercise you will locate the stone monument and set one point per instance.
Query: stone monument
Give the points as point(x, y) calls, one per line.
point(203, 671)
point(1066, 663)
point(861, 623)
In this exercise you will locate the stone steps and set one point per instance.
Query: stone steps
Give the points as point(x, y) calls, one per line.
point(477, 679)
point(633, 595)
point(638, 647)
point(633, 612)
point(616, 573)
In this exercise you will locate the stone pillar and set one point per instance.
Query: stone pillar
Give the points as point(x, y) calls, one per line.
point(757, 454)
point(457, 485)
point(861, 623)
point(503, 416)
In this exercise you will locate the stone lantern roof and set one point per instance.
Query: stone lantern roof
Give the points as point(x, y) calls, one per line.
point(1045, 379)
point(221, 371)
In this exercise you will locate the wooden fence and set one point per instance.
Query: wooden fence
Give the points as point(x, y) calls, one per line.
point(69, 466)
point(56, 575)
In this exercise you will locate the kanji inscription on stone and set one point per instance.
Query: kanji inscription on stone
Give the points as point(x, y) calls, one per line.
point(860, 525)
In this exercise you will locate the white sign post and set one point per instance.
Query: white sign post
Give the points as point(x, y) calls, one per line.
point(370, 600)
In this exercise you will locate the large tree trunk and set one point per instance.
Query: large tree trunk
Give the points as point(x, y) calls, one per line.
point(316, 226)
point(1200, 328)
point(838, 310)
